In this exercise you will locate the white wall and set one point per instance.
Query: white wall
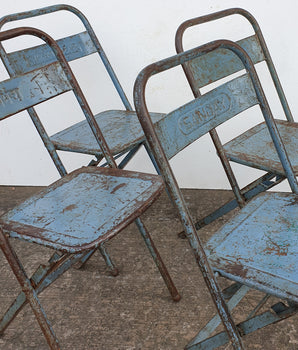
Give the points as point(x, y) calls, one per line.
point(135, 33)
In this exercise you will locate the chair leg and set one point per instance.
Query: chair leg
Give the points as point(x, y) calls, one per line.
point(216, 321)
point(158, 261)
point(41, 279)
point(129, 156)
point(106, 256)
point(113, 269)
point(278, 313)
point(29, 291)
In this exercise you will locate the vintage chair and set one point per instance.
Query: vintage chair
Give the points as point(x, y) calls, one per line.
point(121, 128)
point(254, 147)
point(257, 248)
point(77, 213)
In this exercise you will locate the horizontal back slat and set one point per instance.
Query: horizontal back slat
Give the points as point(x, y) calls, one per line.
point(221, 62)
point(73, 47)
point(27, 90)
point(183, 126)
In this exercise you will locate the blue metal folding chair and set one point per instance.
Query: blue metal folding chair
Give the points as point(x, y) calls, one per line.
point(257, 249)
point(77, 213)
point(121, 128)
point(254, 147)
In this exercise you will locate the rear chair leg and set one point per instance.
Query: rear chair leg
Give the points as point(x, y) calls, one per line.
point(105, 254)
point(158, 261)
point(29, 291)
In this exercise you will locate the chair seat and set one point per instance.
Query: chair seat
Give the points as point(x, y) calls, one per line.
point(82, 209)
point(122, 131)
point(259, 246)
point(255, 147)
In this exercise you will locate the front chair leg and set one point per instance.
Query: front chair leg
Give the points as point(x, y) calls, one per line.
point(29, 291)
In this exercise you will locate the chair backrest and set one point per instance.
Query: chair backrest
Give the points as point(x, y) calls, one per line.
point(25, 90)
point(196, 118)
point(73, 47)
point(215, 65)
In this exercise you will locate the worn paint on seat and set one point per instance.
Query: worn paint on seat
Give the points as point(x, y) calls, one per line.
point(82, 209)
point(258, 247)
point(255, 147)
point(124, 132)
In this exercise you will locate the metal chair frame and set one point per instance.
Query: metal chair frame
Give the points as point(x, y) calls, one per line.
point(42, 219)
point(167, 138)
point(257, 49)
point(75, 47)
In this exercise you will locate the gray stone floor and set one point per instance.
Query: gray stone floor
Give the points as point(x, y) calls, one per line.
point(89, 309)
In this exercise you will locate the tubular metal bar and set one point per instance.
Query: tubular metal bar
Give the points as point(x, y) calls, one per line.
point(113, 269)
point(261, 303)
point(55, 8)
point(42, 278)
point(128, 157)
point(215, 321)
point(29, 291)
point(281, 312)
point(257, 29)
point(158, 261)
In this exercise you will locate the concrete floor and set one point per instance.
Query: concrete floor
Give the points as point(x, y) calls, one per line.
point(89, 309)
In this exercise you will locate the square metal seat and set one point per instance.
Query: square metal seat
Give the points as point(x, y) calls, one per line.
point(122, 131)
point(258, 247)
point(82, 209)
point(255, 147)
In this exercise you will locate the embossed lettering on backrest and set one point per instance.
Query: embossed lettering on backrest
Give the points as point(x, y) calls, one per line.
point(221, 63)
point(27, 90)
point(186, 124)
point(73, 47)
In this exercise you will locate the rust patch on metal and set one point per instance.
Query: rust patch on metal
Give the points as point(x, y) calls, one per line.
point(69, 208)
point(274, 248)
point(238, 270)
point(117, 188)
point(294, 201)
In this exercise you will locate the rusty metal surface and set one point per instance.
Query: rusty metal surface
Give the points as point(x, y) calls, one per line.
point(256, 148)
point(124, 133)
point(83, 209)
point(258, 247)
point(24, 91)
point(206, 70)
point(253, 52)
point(186, 124)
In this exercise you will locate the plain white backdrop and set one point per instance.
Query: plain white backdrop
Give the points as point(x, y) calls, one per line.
point(135, 33)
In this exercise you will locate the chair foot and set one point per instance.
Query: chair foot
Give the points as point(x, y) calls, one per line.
point(114, 272)
point(111, 266)
point(181, 235)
